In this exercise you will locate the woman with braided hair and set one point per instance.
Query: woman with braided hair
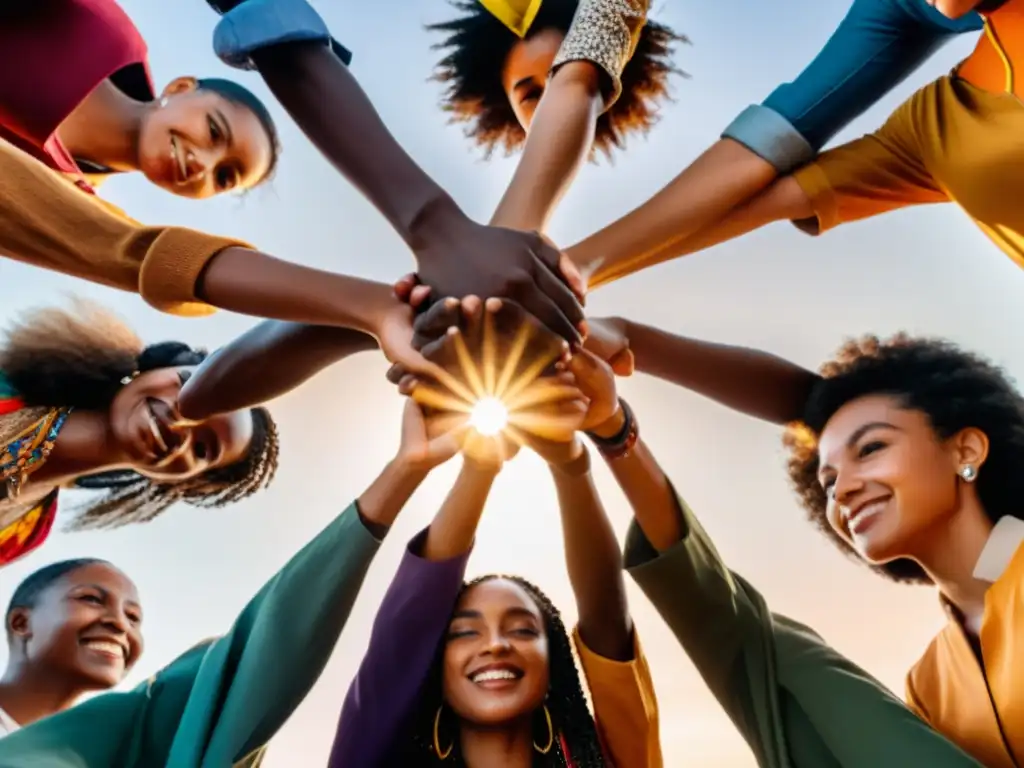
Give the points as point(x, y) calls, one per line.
point(483, 673)
point(86, 405)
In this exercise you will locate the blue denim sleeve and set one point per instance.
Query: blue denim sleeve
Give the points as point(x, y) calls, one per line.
point(876, 46)
point(248, 25)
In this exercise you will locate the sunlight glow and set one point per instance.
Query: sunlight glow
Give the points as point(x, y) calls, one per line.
point(489, 416)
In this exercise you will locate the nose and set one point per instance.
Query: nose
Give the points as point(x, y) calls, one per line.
point(199, 161)
point(847, 485)
point(497, 644)
point(116, 620)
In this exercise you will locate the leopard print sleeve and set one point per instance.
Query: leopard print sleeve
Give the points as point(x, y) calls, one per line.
point(604, 32)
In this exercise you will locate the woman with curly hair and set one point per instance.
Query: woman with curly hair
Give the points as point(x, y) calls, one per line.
point(482, 673)
point(600, 64)
point(907, 454)
point(78, 625)
point(86, 405)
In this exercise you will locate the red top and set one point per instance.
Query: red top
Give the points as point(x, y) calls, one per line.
point(52, 57)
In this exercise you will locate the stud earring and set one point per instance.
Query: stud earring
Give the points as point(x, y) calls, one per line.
point(163, 102)
point(969, 473)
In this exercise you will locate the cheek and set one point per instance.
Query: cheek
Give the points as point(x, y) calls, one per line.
point(835, 519)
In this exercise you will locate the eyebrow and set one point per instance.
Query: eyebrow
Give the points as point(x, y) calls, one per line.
point(105, 592)
point(226, 126)
point(528, 80)
point(465, 614)
point(858, 433)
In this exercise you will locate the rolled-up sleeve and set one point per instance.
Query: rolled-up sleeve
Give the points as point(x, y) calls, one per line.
point(254, 24)
point(875, 47)
point(625, 705)
point(875, 174)
point(47, 221)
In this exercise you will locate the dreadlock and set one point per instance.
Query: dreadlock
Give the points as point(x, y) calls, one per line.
point(81, 358)
point(953, 388)
point(476, 46)
point(571, 720)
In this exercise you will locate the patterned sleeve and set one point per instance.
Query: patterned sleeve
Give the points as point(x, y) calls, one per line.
point(605, 32)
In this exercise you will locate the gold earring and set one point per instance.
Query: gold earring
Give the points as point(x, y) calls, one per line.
point(551, 734)
point(441, 754)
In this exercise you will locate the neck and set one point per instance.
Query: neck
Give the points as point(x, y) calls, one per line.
point(950, 556)
point(85, 446)
point(104, 128)
point(27, 694)
point(497, 748)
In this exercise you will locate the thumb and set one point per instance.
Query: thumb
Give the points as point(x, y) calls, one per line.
point(622, 363)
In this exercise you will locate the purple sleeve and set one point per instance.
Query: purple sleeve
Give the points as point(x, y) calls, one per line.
point(410, 625)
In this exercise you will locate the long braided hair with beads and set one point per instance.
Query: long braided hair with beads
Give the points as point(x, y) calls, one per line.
point(81, 358)
point(575, 740)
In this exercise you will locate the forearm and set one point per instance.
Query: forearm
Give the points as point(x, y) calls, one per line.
point(725, 176)
point(752, 382)
point(559, 141)
point(380, 504)
point(253, 283)
point(782, 201)
point(328, 104)
point(264, 363)
point(594, 564)
point(454, 526)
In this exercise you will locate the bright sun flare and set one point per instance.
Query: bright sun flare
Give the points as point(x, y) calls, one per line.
point(489, 416)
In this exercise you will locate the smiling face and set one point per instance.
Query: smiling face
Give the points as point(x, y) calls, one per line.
point(525, 74)
point(143, 416)
point(199, 143)
point(86, 625)
point(496, 665)
point(890, 480)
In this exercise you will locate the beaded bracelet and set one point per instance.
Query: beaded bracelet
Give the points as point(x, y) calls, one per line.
point(620, 444)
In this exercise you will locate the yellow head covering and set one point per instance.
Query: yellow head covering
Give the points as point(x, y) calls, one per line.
point(517, 15)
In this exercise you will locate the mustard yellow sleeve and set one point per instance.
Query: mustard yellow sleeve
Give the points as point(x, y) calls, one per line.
point(47, 221)
point(875, 174)
point(625, 706)
point(913, 700)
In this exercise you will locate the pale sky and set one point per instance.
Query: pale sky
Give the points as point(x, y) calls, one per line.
point(929, 271)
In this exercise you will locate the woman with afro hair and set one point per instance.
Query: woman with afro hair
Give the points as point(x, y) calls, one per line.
point(907, 454)
point(600, 65)
point(482, 673)
point(85, 404)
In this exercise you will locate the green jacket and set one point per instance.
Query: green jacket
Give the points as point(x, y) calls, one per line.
point(796, 701)
point(218, 705)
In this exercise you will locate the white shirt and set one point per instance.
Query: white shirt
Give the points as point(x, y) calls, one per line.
point(1006, 538)
point(7, 724)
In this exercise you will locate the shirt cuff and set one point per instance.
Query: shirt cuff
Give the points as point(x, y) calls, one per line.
point(815, 183)
point(174, 261)
point(256, 24)
point(772, 137)
point(605, 33)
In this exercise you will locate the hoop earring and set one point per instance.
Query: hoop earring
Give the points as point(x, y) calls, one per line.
point(969, 473)
point(441, 754)
point(551, 734)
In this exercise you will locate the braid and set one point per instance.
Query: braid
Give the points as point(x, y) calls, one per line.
point(134, 498)
point(566, 702)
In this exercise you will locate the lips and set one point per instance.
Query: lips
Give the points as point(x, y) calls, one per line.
point(164, 441)
point(106, 646)
point(859, 518)
point(496, 675)
point(178, 159)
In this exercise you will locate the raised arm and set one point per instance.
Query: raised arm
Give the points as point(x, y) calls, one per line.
point(412, 618)
point(266, 362)
point(747, 380)
point(585, 81)
point(288, 42)
point(876, 46)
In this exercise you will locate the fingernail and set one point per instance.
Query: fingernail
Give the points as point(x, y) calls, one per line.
point(452, 330)
point(451, 302)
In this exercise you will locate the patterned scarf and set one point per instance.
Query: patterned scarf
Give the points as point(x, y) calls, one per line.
point(27, 435)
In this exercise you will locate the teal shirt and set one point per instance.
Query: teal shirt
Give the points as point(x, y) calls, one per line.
point(797, 702)
point(218, 705)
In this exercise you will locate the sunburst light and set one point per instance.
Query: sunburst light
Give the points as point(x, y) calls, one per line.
point(495, 396)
